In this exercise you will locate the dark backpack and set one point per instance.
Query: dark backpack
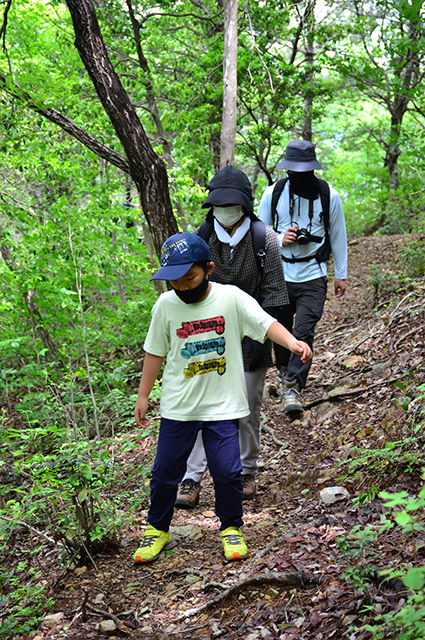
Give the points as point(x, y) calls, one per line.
point(258, 237)
point(324, 252)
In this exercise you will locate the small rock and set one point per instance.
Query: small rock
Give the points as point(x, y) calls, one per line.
point(53, 619)
point(333, 494)
point(187, 531)
point(107, 626)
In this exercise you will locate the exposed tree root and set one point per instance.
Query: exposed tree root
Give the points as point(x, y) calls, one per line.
point(287, 580)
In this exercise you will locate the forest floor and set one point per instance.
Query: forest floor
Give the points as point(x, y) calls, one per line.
point(307, 576)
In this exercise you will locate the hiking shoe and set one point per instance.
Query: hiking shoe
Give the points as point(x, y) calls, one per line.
point(292, 398)
point(154, 541)
point(188, 494)
point(234, 544)
point(249, 487)
point(282, 374)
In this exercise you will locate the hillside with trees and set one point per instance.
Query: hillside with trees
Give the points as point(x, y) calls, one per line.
point(111, 122)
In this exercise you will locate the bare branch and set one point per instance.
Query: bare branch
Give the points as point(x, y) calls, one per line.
point(87, 139)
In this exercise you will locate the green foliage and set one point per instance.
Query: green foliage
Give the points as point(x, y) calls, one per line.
point(405, 455)
point(409, 523)
point(26, 600)
point(360, 547)
point(70, 487)
point(384, 283)
point(406, 624)
point(413, 257)
point(409, 622)
point(394, 455)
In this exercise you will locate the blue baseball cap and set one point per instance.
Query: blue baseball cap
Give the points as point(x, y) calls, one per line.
point(179, 253)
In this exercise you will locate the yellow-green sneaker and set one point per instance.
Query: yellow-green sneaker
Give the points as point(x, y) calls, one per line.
point(154, 541)
point(234, 544)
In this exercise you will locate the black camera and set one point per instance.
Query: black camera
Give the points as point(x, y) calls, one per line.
point(303, 236)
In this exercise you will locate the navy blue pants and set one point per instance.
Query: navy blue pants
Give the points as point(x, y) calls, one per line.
point(306, 303)
point(175, 442)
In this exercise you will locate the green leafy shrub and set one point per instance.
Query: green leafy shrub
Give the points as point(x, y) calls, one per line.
point(359, 546)
point(413, 258)
point(25, 599)
point(73, 491)
point(384, 283)
point(409, 622)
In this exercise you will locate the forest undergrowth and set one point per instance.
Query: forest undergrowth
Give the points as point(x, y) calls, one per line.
point(352, 569)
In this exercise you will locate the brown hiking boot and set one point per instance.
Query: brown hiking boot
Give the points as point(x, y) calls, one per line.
point(188, 494)
point(249, 487)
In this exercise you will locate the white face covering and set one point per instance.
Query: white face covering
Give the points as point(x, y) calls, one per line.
point(228, 216)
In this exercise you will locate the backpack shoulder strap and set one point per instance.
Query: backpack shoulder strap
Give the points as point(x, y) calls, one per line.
point(205, 230)
point(258, 237)
point(325, 198)
point(277, 191)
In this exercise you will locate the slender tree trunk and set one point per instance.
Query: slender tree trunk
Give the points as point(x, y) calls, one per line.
point(145, 166)
point(308, 96)
point(33, 310)
point(214, 144)
point(309, 30)
point(230, 83)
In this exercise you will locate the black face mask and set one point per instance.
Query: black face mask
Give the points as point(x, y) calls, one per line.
point(193, 295)
point(304, 184)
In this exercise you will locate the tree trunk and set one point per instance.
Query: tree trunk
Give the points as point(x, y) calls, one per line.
point(33, 310)
point(153, 110)
point(146, 168)
point(308, 96)
point(214, 144)
point(230, 82)
point(309, 27)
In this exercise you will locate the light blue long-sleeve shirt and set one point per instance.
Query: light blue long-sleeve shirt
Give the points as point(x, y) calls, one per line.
point(305, 271)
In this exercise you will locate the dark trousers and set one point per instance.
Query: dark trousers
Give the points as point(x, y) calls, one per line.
point(175, 442)
point(306, 303)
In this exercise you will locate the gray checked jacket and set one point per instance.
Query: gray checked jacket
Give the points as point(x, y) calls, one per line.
point(268, 288)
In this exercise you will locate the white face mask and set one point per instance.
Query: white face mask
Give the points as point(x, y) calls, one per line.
point(228, 216)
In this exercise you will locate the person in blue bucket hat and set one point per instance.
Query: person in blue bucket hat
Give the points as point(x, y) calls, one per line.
point(306, 214)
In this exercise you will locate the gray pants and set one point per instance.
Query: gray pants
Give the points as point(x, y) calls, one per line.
point(249, 432)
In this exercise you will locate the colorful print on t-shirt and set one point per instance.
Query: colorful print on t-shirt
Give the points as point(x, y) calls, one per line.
point(204, 346)
point(201, 326)
point(198, 368)
point(201, 347)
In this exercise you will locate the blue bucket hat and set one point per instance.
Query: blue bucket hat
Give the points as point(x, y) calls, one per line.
point(179, 253)
point(300, 155)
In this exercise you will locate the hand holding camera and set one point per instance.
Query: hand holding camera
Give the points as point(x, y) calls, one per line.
point(295, 234)
point(303, 236)
point(290, 235)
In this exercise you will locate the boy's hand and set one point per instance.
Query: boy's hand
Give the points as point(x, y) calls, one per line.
point(140, 412)
point(303, 350)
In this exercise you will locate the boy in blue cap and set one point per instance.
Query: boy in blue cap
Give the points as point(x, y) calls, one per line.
point(198, 327)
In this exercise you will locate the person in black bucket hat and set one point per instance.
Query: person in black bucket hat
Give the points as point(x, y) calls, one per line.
point(231, 230)
point(306, 214)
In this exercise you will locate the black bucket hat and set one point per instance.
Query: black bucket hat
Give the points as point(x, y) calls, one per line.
point(300, 155)
point(229, 186)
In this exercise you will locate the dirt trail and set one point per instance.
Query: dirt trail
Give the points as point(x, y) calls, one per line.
point(361, 349)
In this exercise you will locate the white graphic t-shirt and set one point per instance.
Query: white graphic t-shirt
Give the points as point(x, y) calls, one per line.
point(204, 375)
